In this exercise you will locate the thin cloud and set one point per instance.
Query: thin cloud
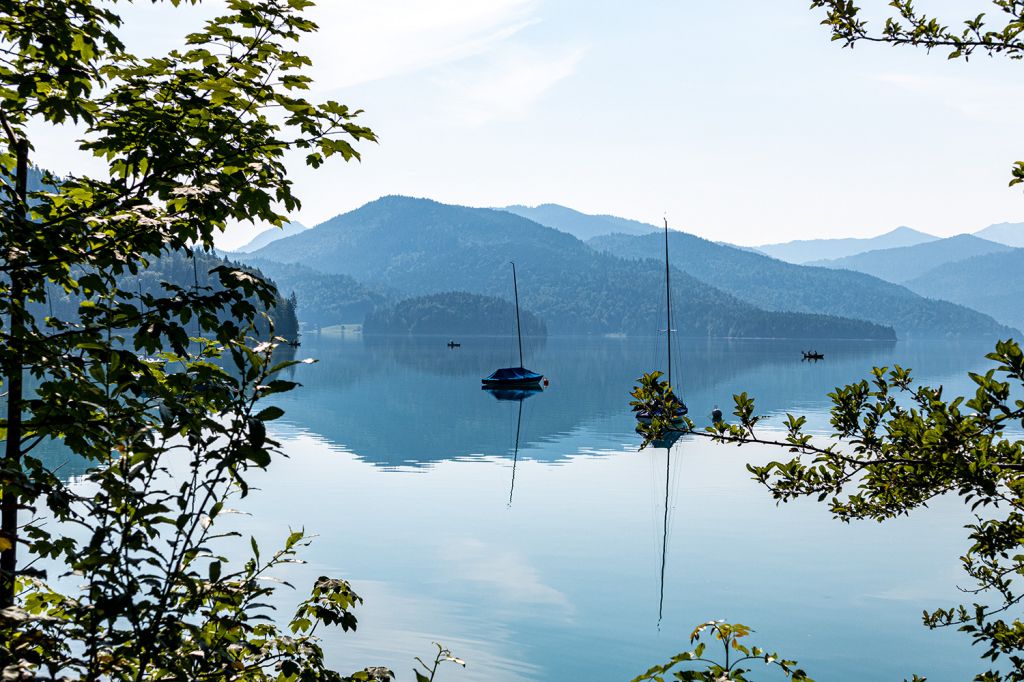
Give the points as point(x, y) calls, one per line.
point(364, 42)
point(506, 574)
point(506, 84)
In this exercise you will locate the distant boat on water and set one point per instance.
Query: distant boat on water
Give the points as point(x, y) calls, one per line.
point(514, 377)
point(643, 416)
point(813, 355)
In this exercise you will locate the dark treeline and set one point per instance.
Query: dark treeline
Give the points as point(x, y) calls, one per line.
point(452, 313)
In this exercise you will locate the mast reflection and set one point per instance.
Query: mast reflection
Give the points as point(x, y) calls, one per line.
point(517, 395)
point(666, 442)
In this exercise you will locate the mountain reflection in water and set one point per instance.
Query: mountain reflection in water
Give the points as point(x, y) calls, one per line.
point(411, 401)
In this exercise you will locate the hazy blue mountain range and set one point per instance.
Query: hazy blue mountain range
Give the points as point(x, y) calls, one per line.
point(1011, 234)
point(270, 235)
point(419, 247)
point(807, 250)
point(322, 299)
point(776, 285)
point(454, 313)
point(907, 262)
point(580, 225)
point(992, 283)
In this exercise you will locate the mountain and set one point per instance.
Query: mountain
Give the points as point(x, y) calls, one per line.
point(992, 283)
point(580, 225)
point(806, 250)
point(907, 262)
point(270, 235)
point(451, 313)
point(1011, 234)
point(776, 285)
point(419, 247)
point(322, 299)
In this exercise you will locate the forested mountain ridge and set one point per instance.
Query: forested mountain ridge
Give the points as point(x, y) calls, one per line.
point(992, 283)
point(802, 251)
point(322, 299)
point(583, 226)
point(901, 264)
point(776, 285)
point(418, 247)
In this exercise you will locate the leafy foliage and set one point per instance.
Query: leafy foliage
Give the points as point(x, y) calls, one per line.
point(657, 399)
point(174, 272)
point(430, 671)
point(140, 361)
point(736, 655)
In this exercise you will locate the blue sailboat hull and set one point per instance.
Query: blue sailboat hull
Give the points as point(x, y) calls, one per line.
point(512, 377)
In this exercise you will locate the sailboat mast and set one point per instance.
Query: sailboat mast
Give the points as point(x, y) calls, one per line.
point(519, 328)
point(668, 307)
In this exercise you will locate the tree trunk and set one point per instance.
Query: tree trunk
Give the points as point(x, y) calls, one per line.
point(14, 375)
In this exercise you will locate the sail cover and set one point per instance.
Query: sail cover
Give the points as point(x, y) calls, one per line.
point(513, 375)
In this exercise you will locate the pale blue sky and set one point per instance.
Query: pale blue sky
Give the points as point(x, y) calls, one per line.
point(737, 118)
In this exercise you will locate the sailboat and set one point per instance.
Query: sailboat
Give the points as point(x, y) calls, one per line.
point(514, 377)
point(643, 416)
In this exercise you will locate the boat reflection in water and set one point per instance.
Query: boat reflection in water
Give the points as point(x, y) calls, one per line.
point(513, 394)
point(517, 395)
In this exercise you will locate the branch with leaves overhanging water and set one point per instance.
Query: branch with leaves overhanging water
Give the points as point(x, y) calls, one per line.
point(894, 447)
point(907, 26)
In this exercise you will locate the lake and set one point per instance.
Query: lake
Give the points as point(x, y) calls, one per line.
point(576, 556)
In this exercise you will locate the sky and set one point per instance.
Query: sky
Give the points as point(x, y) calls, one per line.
point(739, 120)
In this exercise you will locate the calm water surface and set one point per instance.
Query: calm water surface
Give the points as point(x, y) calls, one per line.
point(576, 557)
